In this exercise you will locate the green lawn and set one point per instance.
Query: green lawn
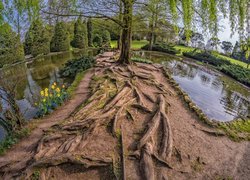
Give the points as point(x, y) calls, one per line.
point(135, 44)
point(234, 61)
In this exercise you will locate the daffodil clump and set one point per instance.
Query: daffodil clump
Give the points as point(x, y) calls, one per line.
point(51, 98)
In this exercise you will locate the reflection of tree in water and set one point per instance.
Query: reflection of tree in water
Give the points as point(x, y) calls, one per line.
point(16, 75)
point(235, 104)
point(216, 84)
point(205, 79)
point(32, 90)
point(183, 70)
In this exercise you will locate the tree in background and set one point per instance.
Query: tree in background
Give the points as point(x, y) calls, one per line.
point(11, 48)
point(37, 39)
point(197, 40)
point(90, 31)
point(60, 41)
point(106, 38)
point(97, 40)
point(227, 47)
point(80, 39)
point(213, 43)
point(236, 54)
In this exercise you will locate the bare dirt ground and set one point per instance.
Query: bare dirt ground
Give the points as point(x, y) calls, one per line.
point(134, 126)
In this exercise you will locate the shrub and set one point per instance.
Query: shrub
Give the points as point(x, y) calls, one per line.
point(207, 58)
point(97, 40)
point(80, 39)
point(75, 66)
point(237, 72)
point(37, 39)
point(106, 38)
point(162, 47)
point(60, 41)
point(11, 48)
point(141, 60)
point(51, 98)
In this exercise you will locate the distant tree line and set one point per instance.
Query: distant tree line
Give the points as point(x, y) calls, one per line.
point(42, 38)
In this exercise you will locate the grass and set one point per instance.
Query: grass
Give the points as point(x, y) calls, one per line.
point(234, 61)
point(12, 139)
point(135, 44)
point(75, 83)
point(141, 60)
point(183, 49)
point(237, 130)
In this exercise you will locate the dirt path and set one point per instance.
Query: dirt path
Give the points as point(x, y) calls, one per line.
point(23, 149)
point(134, 126)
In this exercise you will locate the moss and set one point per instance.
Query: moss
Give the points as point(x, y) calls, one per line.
point(12, 139)
point(35, 175)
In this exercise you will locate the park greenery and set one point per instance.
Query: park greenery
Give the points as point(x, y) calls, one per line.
point(51, 98)
point(75, 66)
point(104, 131)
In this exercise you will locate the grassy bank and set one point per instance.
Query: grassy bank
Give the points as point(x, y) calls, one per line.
point(135, 44)
point(185, 49)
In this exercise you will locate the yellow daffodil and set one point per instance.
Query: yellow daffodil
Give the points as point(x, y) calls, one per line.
point(46, 94)
point(54, 83)
point(44, 100)
point(53, 86)
point(42, 93)
point(58, 90)
point(46, 90)
point(58, 95)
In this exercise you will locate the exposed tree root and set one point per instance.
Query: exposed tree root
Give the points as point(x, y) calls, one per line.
point(116, 94)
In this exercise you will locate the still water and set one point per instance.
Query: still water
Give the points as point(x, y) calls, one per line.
point(30, 77)
point(220, 97)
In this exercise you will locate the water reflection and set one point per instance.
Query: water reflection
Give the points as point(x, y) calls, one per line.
point(33, 76)
point(220, 97)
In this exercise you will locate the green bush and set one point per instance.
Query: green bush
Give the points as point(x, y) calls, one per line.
point(75, 66)
point(161, 47)
point(80, 39)
point(11, 48)
point(97, 40)
point(106, 38)
point(37, 39)
point(207, 58)
point(141, 60)
point(60, 41)
point(237, 72)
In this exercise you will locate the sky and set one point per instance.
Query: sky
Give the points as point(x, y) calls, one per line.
point(224, 35)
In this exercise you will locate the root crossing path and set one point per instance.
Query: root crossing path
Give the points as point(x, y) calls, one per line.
point(132, 126)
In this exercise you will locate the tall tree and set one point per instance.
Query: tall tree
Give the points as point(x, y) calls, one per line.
point(60, 41)
point(80, 39)
point(37, 39)
point(90, 32)
point(227, 46)
point(11, 48)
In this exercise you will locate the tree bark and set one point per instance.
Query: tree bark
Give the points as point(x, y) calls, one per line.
point(126, 32)
point(120, 30)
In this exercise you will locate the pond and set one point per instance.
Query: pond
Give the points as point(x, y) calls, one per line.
point(35, 75)
point(220, 97)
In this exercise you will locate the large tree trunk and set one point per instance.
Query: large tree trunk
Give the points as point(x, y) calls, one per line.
point(126, 31)
point(151, 34)
point(120, 29)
